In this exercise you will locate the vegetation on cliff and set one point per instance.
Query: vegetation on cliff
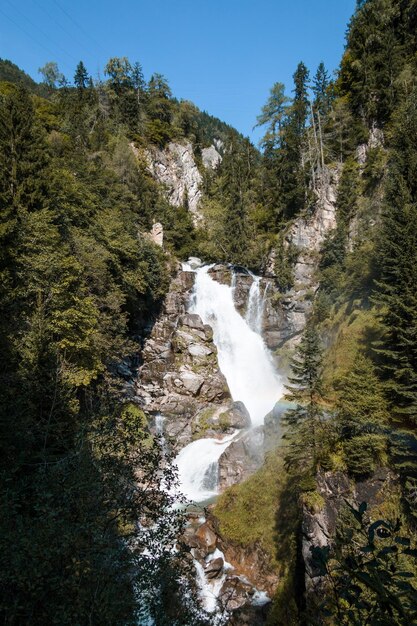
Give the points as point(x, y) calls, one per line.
point(81, 280)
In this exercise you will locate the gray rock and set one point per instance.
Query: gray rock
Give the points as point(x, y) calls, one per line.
point(237, 416)
point(214, 568)
point(192, 320)
point(235, 593)
point(194, 262)
point(198, 350)
point(210, 157)
point(242, 458)
point(192, 382)
point(176, 169)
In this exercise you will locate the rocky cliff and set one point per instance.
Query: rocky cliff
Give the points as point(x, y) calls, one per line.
point(180, 376)
point(175, 167)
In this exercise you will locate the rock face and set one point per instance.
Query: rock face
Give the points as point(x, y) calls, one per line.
point(211, 157)
point(286, 315)
point(242, 458)
point(319, 527)
point(157, 234)
point(180, 377)
point(176, 169)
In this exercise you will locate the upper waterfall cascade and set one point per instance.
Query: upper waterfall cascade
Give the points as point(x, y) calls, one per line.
point(242, 355)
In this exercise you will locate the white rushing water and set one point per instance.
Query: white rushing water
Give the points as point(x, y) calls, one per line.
point(243, 357)
point(197, 466)
point(247, 366)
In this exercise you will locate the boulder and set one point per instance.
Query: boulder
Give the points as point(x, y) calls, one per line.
point(192, 320)
point(235, 593)
point(194, 262)
point(215, 388)
point(214, 568)
point(241, 459)
point(207, 538)
point(199, 350)
point(221, 273)
point(238, 416)
point(191, 381)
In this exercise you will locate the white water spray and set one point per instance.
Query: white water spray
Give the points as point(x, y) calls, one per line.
point(242, 355)
point(197, 466)
point(247, 366)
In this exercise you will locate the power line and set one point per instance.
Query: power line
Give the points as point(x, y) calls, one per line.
point(41, 31)
point(38, 43)
point(85, 33)
point(52, 18)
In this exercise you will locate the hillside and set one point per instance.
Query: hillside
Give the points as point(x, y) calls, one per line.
point(114, 356)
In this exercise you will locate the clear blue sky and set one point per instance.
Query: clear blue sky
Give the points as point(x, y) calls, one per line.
point(224, 55)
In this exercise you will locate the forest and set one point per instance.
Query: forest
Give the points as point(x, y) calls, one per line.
point(82, 285)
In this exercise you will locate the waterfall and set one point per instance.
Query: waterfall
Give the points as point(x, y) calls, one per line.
point(242, 355)
point(197, 466)
point(247, 366)
point(255, 306)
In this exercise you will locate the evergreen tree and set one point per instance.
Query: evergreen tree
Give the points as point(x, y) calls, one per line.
point(305, 422)
point(300, 105)
point(235, 188)
point(362, 416)
point(397, 263)
point(81, 76)
point(320, 88)
point(291, 166)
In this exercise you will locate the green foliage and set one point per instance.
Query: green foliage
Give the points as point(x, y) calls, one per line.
point(246, 512)
point(397, 265)
point(78, 282)
point(285, 257)
point(272, 116)
point(370, 573)
point(305, 426)
point(381, 36)
point(11, 73)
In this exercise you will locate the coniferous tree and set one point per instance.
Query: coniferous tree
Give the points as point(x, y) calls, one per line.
point(272, 116)
point(305, 422)
point(362, 417)
point(291, 168)
point(397, 263)
point(320, 89)
point(81, 76)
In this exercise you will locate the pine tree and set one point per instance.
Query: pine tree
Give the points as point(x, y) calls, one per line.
point(305, 422)
point(81, 76)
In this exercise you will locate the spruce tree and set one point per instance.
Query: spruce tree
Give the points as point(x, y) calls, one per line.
point(362, 417)
point(397, 263)
point(81, 76)
point(305, 422)
point(320, 88)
